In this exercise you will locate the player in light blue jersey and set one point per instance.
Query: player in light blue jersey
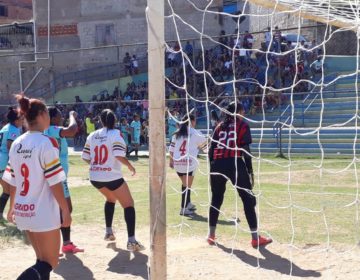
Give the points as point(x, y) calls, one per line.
point(173, 123)
point(60, 133)
point(8, 134)
point(135, 135)
point(125, 130)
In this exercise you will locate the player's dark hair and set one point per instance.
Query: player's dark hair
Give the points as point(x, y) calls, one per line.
point(232, 109)
point(183, 130)
point(53, 112)
point(12, 115)
point(122, 120)
point(214, 115)
point(30, 108)
point(108, 118)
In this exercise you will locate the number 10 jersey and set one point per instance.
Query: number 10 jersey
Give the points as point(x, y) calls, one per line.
point(101, 148)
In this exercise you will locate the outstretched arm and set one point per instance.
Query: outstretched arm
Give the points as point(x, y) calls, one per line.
point(71, 130)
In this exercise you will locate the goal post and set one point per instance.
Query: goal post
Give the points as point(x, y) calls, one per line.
point(157, 148)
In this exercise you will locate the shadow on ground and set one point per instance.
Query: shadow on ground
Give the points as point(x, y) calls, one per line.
point(271, 261)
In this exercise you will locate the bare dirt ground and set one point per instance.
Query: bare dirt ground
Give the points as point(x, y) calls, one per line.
point(188, 258)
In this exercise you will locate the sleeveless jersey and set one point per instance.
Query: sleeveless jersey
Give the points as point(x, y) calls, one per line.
point(33, 168)
point(101, 148)
point(186, 149)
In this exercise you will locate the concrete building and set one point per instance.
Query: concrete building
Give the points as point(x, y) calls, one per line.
point(15, 11)
point(87, 34)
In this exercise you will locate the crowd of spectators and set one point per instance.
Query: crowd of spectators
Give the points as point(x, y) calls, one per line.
point(232, 67)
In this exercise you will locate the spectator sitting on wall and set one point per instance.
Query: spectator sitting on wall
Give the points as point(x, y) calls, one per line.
point(127, 64)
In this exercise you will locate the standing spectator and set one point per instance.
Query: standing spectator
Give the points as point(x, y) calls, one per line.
point(277, 39)
point(90, 124)
point(268, 38)
point(248, 43)
point(135, 64)
point(127, 64)
point(136, 132)
point(116, 93)
point(189, 50)
point(223, 40)
point(125, 131)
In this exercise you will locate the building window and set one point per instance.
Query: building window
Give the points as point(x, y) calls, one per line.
point(105, 35)
point(3, 11)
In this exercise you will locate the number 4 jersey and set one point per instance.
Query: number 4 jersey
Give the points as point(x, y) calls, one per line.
point(186, 149)
point(33, 168)
point(101, 148)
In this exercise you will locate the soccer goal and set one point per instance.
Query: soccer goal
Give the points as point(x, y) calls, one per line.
point(283, 61)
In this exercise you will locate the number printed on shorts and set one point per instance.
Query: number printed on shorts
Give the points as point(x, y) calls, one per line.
point(101, 155)
point(26, 184)
point(182, 148)
point(1, 137)
point(226, 139)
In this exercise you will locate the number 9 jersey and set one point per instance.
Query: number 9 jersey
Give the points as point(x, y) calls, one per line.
point(33, 168)
point(101, 149)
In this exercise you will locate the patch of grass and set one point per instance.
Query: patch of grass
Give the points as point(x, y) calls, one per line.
point(300, 203)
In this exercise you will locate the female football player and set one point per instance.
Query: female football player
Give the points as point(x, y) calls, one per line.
point(35, 176)
point(105, 151)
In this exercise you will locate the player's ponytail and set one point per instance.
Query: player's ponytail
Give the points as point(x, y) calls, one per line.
point(183, 130)
point(108, 118)
point(12, 115)
point(30, 108)
point(24, 103)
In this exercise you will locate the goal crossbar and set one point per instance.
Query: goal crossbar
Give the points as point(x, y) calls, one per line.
point(343, 14)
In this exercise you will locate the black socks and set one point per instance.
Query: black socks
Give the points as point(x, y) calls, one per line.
point(129, 214)
point(3, 200)
point(109, 209)
point(40, 271)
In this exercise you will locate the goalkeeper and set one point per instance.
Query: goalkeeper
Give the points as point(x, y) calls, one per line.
point(230, 159)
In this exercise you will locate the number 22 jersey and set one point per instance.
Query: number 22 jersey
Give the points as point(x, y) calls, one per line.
point(33, 168)
point(101, 148)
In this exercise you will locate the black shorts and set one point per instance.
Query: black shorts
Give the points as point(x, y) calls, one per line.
point(112, 185)
point(184, 174)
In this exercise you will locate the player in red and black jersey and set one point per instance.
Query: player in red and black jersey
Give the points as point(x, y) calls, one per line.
point(230, 159)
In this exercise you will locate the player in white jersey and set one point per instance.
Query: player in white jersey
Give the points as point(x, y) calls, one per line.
point(35, 176)
point(105, 151)
point(8, 134)
point(184, 149)
point(60, 133)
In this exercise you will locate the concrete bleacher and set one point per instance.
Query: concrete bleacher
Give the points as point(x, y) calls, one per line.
point(328, 123)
